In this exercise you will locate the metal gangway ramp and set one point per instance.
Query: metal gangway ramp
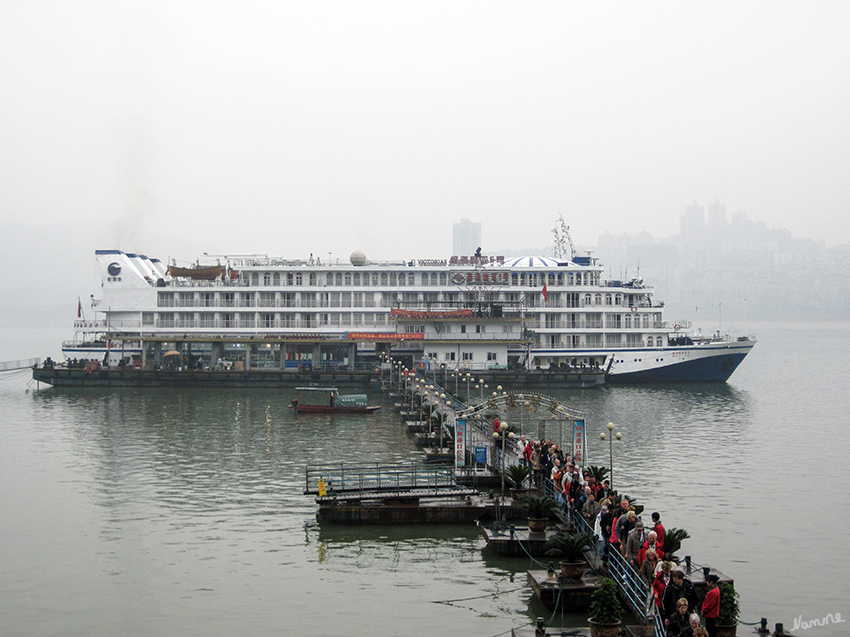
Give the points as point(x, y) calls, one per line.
point(11, 366)
point(340, 482)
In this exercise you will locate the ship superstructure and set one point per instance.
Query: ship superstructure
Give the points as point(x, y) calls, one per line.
point(471, 313)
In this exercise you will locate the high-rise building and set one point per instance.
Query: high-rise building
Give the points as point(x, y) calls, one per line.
point(466, 238)
point(692, 223)
point(717, 215)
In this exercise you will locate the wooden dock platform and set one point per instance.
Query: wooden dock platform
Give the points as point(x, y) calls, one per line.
point(571, 595)
point(520, 542)
point(442, 509)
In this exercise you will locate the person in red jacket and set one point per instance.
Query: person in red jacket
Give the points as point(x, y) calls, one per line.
point(659, 529)
point(662, 578)
point(711, 604)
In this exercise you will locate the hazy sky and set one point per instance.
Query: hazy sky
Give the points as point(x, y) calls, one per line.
point(287, 128)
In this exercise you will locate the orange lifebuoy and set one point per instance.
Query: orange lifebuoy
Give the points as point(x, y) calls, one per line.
point(634, 309)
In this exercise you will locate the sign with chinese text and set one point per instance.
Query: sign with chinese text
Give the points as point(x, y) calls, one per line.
point(460, 443)
point(579, 442)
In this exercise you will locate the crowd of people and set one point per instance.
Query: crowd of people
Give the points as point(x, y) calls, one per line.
point(616, 522)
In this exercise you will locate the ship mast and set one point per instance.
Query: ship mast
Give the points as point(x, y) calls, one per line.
point(563, 240)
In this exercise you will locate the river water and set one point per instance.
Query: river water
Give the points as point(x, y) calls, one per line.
point(151, 512)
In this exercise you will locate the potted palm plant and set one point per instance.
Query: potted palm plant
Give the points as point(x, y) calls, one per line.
point(598, 473)
point(570, 547)
point(539, 509)
point(673, 539)
point(516, 475)
point(605, 610)
point(727, 619)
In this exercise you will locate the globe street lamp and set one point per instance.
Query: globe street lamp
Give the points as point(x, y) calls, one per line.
point(503, 434)
point(610, 437)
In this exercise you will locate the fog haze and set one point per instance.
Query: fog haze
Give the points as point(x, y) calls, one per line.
point(289, 128)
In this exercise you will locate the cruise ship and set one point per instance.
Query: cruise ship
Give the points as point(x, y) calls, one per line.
point(463, 314)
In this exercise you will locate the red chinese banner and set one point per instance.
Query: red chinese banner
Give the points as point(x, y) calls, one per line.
point(384, 336)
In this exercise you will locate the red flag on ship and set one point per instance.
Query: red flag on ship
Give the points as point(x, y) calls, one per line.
point(545, 293)
point(79, 308)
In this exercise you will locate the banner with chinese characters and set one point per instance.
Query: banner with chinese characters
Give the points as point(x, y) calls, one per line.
point(460, 443)
point(579, 442)
point(384, 336)
point(481, 277)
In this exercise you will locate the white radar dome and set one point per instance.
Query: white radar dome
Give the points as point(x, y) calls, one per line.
point(358, 258)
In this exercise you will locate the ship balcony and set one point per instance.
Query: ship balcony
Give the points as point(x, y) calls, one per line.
point(486, 337)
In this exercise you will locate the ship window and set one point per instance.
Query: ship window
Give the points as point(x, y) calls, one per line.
point(339, 278)
point(480, 329)
point(618, 300)
point(298, 278)
point(312, 278)
point(411, 279)
point(267, 278)
point(646, 321)
point(330, 278)
point(467, 356)
point(384, 278)
point(375, 279)
point(450, 356)
point(276, 278)
point(597, 300)
point(463, 329)
point(255, 279)
point(147, 318)
point(607, 299)
point(346, 299)
point(628, 322)
point(348, 278)
point(357, 279)
point(492, 356)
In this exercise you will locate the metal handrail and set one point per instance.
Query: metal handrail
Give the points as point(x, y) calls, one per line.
point(629, 582)
point(26, 363)
point(384, 478)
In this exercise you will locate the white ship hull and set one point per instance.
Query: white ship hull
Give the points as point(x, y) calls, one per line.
point(713, 361)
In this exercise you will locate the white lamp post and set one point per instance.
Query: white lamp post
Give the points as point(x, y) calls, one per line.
point(503, 435)
point(610, 437)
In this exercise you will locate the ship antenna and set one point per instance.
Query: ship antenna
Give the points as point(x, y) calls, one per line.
point(561, 231)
